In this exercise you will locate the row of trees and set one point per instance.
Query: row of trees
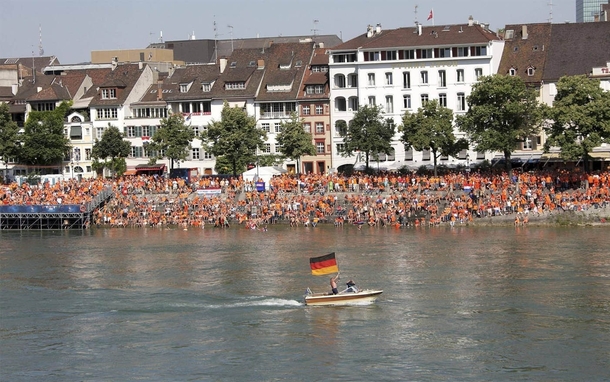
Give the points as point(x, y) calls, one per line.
point(502, 112)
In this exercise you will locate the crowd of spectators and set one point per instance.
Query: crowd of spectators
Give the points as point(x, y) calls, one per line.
point(381, 199)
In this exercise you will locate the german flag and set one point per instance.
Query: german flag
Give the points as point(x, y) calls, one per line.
point(323, 265)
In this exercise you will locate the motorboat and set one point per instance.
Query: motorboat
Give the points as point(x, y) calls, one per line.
point(350, 296)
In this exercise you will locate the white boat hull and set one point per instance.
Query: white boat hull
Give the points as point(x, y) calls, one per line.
point(362, 297)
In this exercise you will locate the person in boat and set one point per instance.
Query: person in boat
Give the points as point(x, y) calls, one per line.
point(351, 287)
point(333, 284)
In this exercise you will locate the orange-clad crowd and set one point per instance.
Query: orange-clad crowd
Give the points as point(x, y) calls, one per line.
point(383, 199)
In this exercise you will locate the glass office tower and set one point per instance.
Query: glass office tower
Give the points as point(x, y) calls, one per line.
point(587, 9)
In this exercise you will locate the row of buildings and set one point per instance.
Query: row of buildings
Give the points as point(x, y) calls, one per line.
point(321, 78)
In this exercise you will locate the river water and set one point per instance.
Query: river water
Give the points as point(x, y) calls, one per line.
point(461, 304)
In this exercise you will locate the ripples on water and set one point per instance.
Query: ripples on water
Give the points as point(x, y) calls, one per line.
point(459, 304)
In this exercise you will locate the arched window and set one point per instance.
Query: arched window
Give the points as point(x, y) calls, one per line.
point(340, 104)
point(339, 81)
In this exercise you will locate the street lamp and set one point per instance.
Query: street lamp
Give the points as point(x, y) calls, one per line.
point(467, 162)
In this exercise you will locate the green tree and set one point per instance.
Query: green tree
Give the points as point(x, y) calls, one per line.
point(579, 117)
point(110, 152)
point(44, 141)
point(431, 128)
point(502, 112)
point(9, 135)
point(235, 137)
point(367, 132)
point(294, 141)
point(173, 139)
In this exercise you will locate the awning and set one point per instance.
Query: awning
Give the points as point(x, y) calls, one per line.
point(600, 155)
point(150, 167)
point(130, 172)
point(550, 156)
point(76, 132)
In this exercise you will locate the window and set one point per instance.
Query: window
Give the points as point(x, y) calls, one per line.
point(406, 101)
point(339, 81)
point(306, 110)
point(319, 127)
point(444, 52)
point(307, 127)
point(372, 56)
point(478, 73)
point(352, 80)
point(108, 93)
point(442, 99)
point(352, 103)
point(424, 76)
point(314, 89)
point(265, 127)
point(87, 154)
point(196, 130)
point(480, 51)
point(388, 79)
point(340, 147)
point(267, 148)
point(338, 127)
point(461, 99)
point(408, 54)
point(389, 104)
point(425, 154)
point(512, 72)
point(406, 80)
point(206, 87)
point(531, 71)
point(424, 53)
point(371, 79)
point(207, 155)
point(278, 127)
point(184, 88)
point(442, 79)
point(460, 75)
point(235, 85)
point(340, 104)
point(462, 52)
point(108, 113)
point(372, 101)
point(319, 110)
point(136, 151)
point(320, 147)
point(527, 143)
point(195, 153)
point(389, 55)
point(424, 99)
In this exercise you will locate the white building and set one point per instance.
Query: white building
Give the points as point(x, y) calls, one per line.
point(400, 69)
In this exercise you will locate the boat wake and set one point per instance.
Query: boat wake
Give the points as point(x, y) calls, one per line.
point(271, 302)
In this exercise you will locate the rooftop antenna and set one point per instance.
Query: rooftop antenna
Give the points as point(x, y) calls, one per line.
point(33, 67)
point(40, 50)
point(231, 33)
point(550, 11)
point(150, 39)
point(161, 37)
point(416, 13)
point(215, 41)
point(315, 27)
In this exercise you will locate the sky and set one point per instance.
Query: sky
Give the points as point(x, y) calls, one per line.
point(71, 29)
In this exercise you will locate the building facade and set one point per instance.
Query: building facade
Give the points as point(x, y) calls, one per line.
point(403, 68)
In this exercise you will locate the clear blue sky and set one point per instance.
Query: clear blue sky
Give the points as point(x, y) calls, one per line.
point(71, 29)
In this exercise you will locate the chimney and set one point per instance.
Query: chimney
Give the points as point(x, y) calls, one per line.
point(419, 29)
point(140, 65)
point(470, 21)
point(369, 31)
point(378, 29)
point(159, 91)
point(524, 32)
point(223, 64)
point(260, 64)
point(114, 62)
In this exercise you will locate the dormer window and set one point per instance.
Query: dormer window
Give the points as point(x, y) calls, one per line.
point(252, 63)
point(235, 85)
point(206, 87)
point(530, 71)
point(108, 93)
point(233, 64)
point(184, 88)
point(298, 64)
point(512, 72)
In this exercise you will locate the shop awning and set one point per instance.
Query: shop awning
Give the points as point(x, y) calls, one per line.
point(600, 155)
point(150, 167)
